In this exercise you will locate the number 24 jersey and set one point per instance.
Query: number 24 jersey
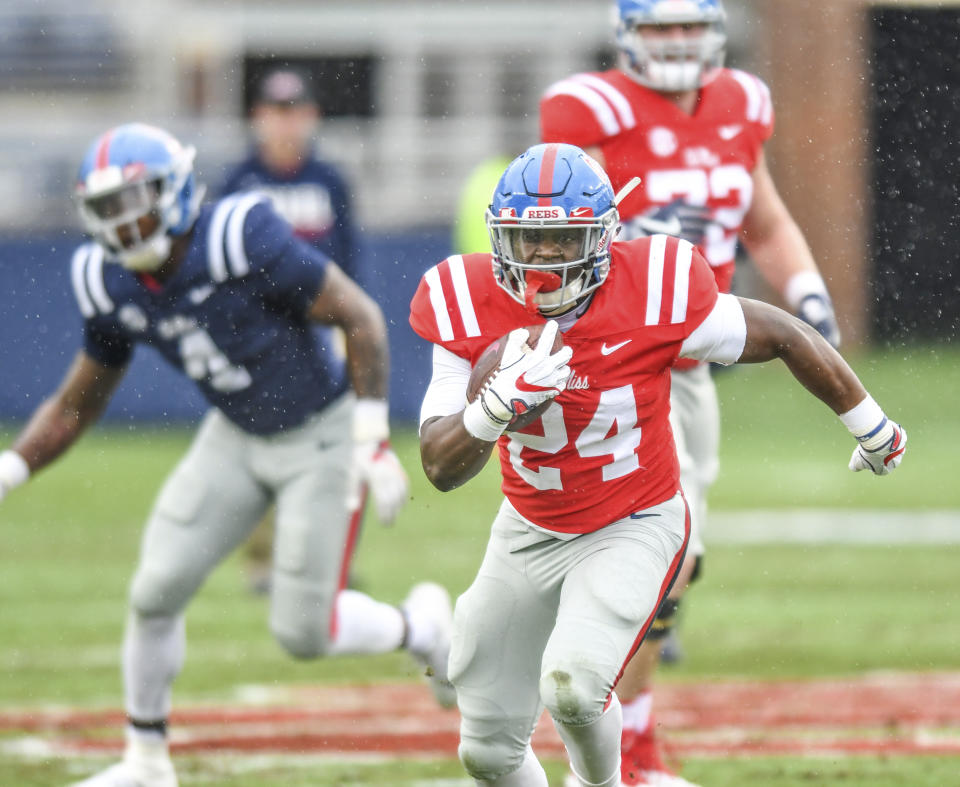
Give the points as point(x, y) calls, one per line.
point(603, 449)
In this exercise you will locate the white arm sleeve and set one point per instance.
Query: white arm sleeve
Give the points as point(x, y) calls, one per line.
point(447, 392)
point(721, 336)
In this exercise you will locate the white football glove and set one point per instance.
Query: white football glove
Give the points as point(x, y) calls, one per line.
point(14, 471)
point(880, 451)
point(524, 379)
point(817, 311)
point(377, 468)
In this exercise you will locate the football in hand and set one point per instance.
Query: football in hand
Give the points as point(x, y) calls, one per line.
point(489, 361)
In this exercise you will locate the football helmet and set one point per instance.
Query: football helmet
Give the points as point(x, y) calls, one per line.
point(558, 195)
point(671, 62)
point(131, 172)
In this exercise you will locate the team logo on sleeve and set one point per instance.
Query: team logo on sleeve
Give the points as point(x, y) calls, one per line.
point(132, 318)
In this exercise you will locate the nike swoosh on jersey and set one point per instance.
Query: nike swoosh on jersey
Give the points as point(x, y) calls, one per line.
point(729, 132)
point(605, 350)
point(653, 226)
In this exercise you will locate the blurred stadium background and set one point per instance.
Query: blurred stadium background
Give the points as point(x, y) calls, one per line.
point(828, 574)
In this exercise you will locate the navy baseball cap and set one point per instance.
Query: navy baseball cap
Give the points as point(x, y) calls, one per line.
point(284, 86)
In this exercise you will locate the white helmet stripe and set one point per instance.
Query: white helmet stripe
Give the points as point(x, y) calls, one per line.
point(462, 289)
point(236, 254)
point(681, 282)
point(617, 100)
point(595, 102)
point(439, 304)
point(658, 245)
point(78, 278)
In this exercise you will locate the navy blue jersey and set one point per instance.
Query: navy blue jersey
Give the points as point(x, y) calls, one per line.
point(233, 317)
point(314, 199)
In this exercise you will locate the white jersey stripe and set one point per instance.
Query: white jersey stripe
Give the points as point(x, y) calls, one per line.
point(766, 112)
point(681, 282)
point(98, 290)
point(236, 254)
point(439, 304)
point(754, 98)
point(658, 245)
point(602, 111)
point(462, 290)
point(617, 100)
point(215, 256)
point(78, 278)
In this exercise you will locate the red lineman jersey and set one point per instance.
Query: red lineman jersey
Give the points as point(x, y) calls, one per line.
point(604, 448)
point(695, 171)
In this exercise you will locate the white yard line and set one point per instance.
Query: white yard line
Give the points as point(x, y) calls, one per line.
point(832, 526)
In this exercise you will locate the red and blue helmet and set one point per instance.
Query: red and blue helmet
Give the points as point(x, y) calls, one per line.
point(130, 172)
point(675, 63)
point(559, 192)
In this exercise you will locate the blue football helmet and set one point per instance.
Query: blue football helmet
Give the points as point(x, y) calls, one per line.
point(551, 223)
point(671, 62)
point(130, 172)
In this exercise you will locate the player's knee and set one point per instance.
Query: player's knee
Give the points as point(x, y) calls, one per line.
point(303, 640)
point(301, 617)
point(572, 696)
point(156, 592)
point(487, 759)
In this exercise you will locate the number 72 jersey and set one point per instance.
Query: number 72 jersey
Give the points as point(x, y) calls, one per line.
point(603, 449)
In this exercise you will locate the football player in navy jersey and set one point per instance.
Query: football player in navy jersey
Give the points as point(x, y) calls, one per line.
point(313, 196)
point(308, 191)
point(227, 294)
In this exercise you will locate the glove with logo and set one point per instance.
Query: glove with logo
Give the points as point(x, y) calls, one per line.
point(817, 311)
point(882, 441)
point(375, 466)
point(14, 471)
point(881, 450)
point(525, 379)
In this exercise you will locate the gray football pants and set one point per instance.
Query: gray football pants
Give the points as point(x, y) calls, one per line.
point(695, 421)
point(217, 494)
point(551, 623)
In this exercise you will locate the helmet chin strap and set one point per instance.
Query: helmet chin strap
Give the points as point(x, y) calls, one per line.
point(148, 256)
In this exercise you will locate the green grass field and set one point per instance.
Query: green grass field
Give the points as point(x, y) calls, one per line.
point(68, 544)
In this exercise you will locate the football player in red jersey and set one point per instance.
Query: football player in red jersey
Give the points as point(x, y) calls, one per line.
point(693, 132)
point(593, 527)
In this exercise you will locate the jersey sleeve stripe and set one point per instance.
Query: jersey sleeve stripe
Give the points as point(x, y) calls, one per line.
point(78, 279)
point(98, 290)
point(753, 92)
point(602, 111)
point(439, 304)
point(614, 97)
point(658, 245)
point(461, 288)
point(215, 255)
point(236, 254)
point(681, 282)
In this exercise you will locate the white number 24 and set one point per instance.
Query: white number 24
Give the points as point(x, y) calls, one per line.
point(617, 407)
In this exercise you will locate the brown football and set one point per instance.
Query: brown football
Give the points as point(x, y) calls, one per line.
point(488, 362)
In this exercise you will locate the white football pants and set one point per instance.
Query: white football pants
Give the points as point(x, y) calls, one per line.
point(695, 421)
point(551, 623)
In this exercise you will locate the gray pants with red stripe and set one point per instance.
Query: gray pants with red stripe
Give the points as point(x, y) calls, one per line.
point(551, 622)
point(210, 504)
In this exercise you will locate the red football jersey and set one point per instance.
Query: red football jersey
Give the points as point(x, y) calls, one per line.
point(604, 448)
point(696, 171)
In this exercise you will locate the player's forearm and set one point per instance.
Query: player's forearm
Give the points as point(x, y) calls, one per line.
point(50, 432)
point(368, 363)
point(781, 254)
point(450, 455)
